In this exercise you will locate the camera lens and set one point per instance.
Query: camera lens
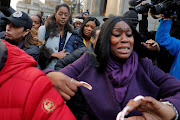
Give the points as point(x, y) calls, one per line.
point(156, 9)
point(161, 8)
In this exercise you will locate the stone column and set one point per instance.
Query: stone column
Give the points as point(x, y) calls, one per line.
point(116, 7)
point(87, 5)
point(101, 8)
point(95, 7)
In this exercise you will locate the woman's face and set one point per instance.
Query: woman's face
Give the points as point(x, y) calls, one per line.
point(15, 33)
point(77, 24)
point(62, 16)
point(88, 28)
point(36, 22)
point(122, 40)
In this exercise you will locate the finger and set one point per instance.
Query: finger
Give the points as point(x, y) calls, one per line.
point(136, 118)
point(67, 90)
point(82, 83)
point(121, 114)
point(71, 85)
point(134, 103)
point(65, 96)
point(67, 53)
point(144, 44)
point(155, 44)
point(63, 50)
point(150, 41)
point(151, 101)
point(139, 97)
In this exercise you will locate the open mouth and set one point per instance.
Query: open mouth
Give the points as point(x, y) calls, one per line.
point(123, 50)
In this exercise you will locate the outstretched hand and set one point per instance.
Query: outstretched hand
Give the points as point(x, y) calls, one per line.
point(65, 85)
point(150, 108)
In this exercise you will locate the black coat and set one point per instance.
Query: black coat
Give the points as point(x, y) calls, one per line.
point(72, 57)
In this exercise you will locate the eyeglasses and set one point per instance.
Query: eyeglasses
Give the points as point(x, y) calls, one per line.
point(65, 14)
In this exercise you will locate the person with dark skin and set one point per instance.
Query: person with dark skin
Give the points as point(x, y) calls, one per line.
point(36, 21)
point(118, 72)
point(86, 29)
point(58, 37)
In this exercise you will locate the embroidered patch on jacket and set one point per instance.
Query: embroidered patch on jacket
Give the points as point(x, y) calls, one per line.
point(48, 106)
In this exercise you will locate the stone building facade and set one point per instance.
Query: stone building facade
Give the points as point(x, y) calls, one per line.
point(117, 7)
point(36, 6)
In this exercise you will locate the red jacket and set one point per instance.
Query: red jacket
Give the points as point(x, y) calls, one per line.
point(26, 93)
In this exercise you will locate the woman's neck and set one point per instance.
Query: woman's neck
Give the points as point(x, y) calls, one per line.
point(61, 27)
point(87, 41)
point(61, 30)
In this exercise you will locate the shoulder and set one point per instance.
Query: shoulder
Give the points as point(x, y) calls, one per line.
point(32, 49)
point(144, 61)
point(145, 64)
point(41, 29)
point(2, 34)
point(76, 36)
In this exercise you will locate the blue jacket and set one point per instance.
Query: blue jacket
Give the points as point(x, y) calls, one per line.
point(169, 43)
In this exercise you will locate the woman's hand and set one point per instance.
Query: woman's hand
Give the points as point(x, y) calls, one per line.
point(150, 108)
point(65, 85)
point(151, 45)
point(60, 54)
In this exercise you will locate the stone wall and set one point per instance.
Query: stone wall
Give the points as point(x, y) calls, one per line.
point(116, 7)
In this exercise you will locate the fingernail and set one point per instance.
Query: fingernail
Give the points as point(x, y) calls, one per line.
point(120, 115)
point(85, 84)
point(138, 98)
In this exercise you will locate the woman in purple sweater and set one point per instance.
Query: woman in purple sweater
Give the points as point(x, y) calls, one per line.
point(118, 73)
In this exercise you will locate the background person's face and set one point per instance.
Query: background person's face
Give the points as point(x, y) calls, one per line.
point(62, 16)
point(85, 15)
point(77, 24)
point(14, 33)
point(88, 28)
point(36, 22)
point(122, 41)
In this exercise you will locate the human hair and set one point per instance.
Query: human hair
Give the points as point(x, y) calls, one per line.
point(102, 49)
point(51, 25)
point(94, 31)
point(32, 39)
point(81, 34)
point(39, 18)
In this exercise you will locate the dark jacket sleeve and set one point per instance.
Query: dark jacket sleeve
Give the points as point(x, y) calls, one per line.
point(70, 58)
point(33, 51)
point(44, 57)
point(74, 43)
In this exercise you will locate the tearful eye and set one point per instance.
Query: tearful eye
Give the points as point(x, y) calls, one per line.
point(129, 35)
point(116, 35)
